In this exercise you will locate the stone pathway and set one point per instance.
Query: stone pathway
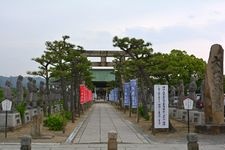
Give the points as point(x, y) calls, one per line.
point(92, 135)
point(52, 146)
point(103, 119)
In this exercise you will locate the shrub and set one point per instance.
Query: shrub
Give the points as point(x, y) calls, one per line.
point(21, 108)
point(68, 115)
point(141, 113)
point(55, 122)
point(1, 95)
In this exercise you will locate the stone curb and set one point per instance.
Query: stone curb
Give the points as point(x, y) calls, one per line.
point(71, 137)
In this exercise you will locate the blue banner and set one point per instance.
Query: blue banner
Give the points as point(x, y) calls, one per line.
point(111, 95)
point(126, 87)
point(134, 93)
point(116, 96)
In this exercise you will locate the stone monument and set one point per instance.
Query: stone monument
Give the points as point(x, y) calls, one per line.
point(36, 126)
point(30, 91)
point(8, 91)
point(42, 93)
point(34, 91)
point(213, 96)
point(180, 94)
point(172, 94)
point(192, 89)
point(213, 93)
point(19, 89)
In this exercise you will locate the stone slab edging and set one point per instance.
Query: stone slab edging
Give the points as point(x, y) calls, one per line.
point(75, 131)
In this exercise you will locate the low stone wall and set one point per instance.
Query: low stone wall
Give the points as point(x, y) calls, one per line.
point(14, 119)
point(27, 117)
point(195, 116)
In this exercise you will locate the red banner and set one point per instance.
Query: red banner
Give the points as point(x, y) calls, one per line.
point(85, 94)
point(82, 94)
point(90, 95)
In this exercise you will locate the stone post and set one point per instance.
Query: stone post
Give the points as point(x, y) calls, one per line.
point(112, 140)
point(36, 126)
point(192, 139)
point(26, 143)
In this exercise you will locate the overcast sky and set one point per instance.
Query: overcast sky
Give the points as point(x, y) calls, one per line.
point(25, 25)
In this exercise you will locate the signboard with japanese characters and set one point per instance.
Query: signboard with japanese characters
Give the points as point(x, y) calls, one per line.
point(85, 94)
point(161, 115)
point(134, 93)
point(126, 94)
point(188, 104)
point(82, 94)
point(116, 94)
point(6, 105)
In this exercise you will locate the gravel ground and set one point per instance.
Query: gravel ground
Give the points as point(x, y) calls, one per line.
point(47, 136)
point(160, 137)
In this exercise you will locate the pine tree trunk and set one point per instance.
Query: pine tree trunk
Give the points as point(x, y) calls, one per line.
point(144, 82)
point(72, 98)
point(63, 85)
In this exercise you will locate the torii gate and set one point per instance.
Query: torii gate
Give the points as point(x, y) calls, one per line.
point(103, 74)
point(103, 54)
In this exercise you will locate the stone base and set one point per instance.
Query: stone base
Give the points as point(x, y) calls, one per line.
point(210, 129)
point(13, 120)
point(195, 116)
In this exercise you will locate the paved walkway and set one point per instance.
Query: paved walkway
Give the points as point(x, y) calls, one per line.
point(51, 146)
point(92, 135)
point(103, 119)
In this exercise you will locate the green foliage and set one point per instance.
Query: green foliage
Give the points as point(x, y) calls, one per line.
point(55, 122)
point(138, 51)
point(21, 108)
point(175, 66)
point(68, 64)
point(1, 95)
point(159, 67)
point(67, 115)
point(136, 65)
point(154, 68)
point(65, 62)
point(142, 114)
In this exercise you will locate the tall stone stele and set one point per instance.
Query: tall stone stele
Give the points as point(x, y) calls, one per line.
point(213, 88)
point(19, 89)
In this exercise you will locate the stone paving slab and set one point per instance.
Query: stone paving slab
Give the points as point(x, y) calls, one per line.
point(103, 119)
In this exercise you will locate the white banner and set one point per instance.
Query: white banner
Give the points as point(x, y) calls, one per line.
point(161, 115)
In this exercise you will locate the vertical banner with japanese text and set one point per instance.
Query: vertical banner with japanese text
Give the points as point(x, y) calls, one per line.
point(110, 96)
point(82, 93)
point(116, 94)
point(161, 115)
point(134, 93)
point(126, 87)
point(85, 94)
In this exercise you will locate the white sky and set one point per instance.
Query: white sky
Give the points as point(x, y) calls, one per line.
point(25, 26)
